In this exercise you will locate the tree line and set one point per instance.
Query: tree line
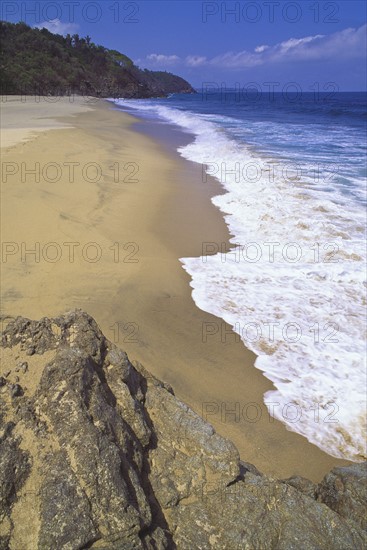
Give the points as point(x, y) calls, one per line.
point(36, 61)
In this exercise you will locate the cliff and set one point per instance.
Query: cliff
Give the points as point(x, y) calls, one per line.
point(38, 62)
point(95, 452)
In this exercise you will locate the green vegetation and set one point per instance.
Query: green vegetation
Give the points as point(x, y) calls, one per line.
point(36, 61)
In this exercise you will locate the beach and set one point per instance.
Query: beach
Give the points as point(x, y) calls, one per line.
point(95, 215)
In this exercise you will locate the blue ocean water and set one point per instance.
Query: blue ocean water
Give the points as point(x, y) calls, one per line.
point(293, 168)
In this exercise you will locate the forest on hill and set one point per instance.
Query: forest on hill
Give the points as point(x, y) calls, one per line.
point(36, 61)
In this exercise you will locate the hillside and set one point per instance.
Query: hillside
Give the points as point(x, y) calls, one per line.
point(35, 61)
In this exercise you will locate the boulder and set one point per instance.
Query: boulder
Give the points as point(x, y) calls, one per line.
point(95, 452)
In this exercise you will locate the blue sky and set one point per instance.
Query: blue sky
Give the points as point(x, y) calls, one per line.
point(258, 41)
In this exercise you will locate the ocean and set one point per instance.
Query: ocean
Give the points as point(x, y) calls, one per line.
point(293, 285)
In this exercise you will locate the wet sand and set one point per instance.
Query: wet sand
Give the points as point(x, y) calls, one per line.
point(101, 226)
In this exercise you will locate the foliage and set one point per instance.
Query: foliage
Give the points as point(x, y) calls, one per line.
point(36, 61)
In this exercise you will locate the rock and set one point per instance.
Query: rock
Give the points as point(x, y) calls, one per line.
point(2, 381)
point(303, 485)
point(61, 496)
point(260, 514)
point(22, 366)
point(247, 467)
point(15, 466)
point(116, 461)
point(344, 490)
point(15, 390)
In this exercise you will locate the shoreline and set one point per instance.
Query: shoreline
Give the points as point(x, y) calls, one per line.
point(145, 306)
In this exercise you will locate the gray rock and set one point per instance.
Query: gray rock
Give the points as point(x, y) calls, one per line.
point(15, 465)
point(15, 390)
point(60, 488)
point(344, 490)
point(121, 463)
point(303, 485)
point(22, 366)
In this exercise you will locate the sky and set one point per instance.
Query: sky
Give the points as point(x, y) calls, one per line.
point(294, 45)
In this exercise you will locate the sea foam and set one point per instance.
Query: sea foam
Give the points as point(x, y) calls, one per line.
point(293, 284)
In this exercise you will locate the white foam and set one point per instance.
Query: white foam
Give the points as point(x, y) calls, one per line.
point(321, 371)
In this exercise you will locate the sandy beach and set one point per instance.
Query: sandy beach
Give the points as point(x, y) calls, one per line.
point(96, 215)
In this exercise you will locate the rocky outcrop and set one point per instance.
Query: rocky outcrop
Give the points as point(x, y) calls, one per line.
point(344, 490)
point(95, 452)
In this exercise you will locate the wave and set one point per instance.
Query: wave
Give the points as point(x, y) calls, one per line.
point(292, 286)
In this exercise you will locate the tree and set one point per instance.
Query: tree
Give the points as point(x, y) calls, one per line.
point(75, 40)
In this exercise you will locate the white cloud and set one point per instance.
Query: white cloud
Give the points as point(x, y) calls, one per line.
point(237, 60)
point(159, 60)
point(261, 49)
point(57, 27)
point(195, 60)
point(346, 44)
point(163, 60)
point(294, 44)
